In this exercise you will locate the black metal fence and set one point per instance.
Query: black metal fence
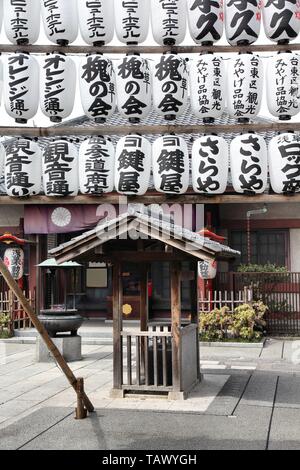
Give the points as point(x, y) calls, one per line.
point(279, 291)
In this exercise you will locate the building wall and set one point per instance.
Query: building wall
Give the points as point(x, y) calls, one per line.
point(275, 211)
point(10, 216)
point(295, 249)
point(279, 216)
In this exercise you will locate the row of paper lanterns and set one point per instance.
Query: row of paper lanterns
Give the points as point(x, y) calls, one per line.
point(98, 20)
point(99, 168)
point(134, 85)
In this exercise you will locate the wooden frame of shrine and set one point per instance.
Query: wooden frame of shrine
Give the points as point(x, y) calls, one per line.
point(161, 358)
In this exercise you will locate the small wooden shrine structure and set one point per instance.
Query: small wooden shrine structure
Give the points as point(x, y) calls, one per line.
point(151, 359)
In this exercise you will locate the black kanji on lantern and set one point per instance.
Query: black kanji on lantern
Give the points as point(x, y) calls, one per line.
point(242, 18)
point(207, 19)
point(250, 166)
point(281, 19)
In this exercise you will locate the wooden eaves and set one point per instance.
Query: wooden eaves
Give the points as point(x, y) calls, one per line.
point(153, 198)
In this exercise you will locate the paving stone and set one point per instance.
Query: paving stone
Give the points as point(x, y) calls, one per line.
point(228, 398)
point(288, 392)
point(260, 391)
point(17, 434)
point(285, 429)
point(117, 429)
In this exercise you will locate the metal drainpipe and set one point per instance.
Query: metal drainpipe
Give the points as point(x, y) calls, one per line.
point(264, 210)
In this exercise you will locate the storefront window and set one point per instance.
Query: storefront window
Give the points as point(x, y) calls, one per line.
point(267, 246)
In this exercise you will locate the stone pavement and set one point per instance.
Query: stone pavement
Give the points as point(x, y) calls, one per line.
point(249, 399)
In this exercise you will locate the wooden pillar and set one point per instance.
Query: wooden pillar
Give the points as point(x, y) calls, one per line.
point(176, 323)
point(195, 311)
point(38, 288)
point(117, 326)
point(144, 316)
point(144, 307)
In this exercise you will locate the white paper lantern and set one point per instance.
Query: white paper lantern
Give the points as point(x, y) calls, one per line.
point(207, 270)
point(23, 168)
point(207, 83)
point(284, 163)
point(170, 86)
point(2, 160)
point(242, 21)
point(206, 20)
point(281, 20)
point(14, 261)
point(283, 80)
point(133, 165)
point(170, 165)
point(96, 21)
point(60, 19)
point(210, 160)
point(244, 86)
point(97, 81)
point(249, 164)
point(96, 166)
point(1, 14)
point(134, 87)
point(60, 169)
point(132, 20)
point(1, 81)
point(58, 86)
point(22, 21)
point(168, 18)
point(21, 86)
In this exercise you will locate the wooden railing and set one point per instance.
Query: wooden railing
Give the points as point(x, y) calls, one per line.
point(219, 299)
point(148, 359)
point(280, 291)
point(10, 306)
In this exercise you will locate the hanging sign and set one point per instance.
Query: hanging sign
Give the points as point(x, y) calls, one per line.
point(249, 164)
point(134, 88)
point(22, 21)
point(210, 161)
point(14, 261)
point(283, 72)
point(96, 166)
point(23, 168)
point(207, 83)
point(206, 20)
point(170, 86)
point(284, 163)
point(244, 86)
point(60, 169)
point(171, 165)
point(96, 21)
point(168, 19)
point(242, 21)
point(207, 269)
point(60, 19)
point(58, 86)
point(281, 20)
point(133, 165)
point(21, 86)
point(132, 20)
point(97, 83)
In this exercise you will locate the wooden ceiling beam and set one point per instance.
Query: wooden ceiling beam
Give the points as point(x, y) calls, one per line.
point(153, 198)
point(109, 130)
point(193, 49)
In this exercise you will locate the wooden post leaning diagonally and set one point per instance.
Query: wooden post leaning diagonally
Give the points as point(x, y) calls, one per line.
point(83, 402)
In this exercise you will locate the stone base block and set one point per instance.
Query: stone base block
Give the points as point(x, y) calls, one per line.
point(116, 393)
point(69, 347)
